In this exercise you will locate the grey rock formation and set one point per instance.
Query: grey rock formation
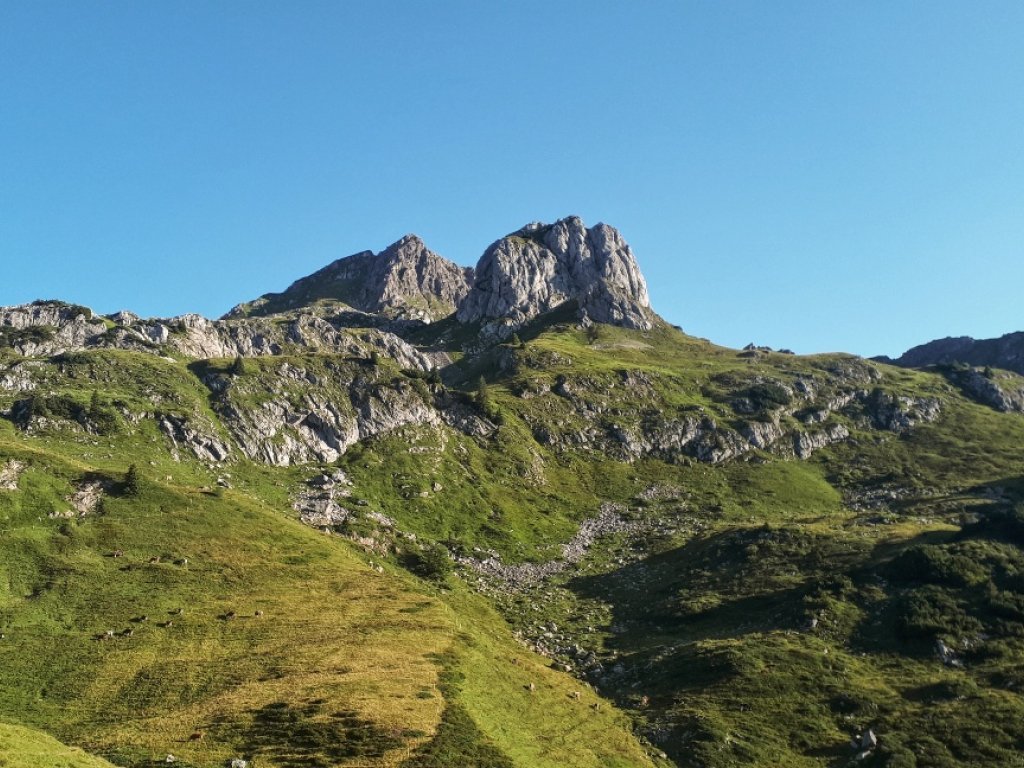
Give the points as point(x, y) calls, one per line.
point(86, 499)
point(996, 389)
point(609, 521)
point(52, 329)
point(899, 414)
point(183, 435)
point(806, 443)
point(48, 327)
point(294, 416)
point(542, 267)
point(18, 377)
point(10, 473)
point(317, 503)
point(1006, 352)
point(405, 280)
point(762, 434)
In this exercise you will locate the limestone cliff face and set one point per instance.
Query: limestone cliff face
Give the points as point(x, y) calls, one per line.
point(541, 267)
point(406, 280)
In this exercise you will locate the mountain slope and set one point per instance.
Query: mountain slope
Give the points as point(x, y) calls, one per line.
point(24, 748)
point(291, 647)
point(593, 543)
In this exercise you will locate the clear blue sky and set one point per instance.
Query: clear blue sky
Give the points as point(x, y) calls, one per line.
point(815, 175)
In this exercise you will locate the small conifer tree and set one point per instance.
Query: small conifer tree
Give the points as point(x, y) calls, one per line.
point(132, 481)
point(483, 394)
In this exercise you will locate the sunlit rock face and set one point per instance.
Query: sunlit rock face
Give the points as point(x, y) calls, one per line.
point(542, 267)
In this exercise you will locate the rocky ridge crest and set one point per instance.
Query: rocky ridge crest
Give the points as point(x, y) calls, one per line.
point(1006, 352)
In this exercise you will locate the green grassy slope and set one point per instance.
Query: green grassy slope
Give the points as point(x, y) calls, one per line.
point(344, 665)
point(24, 748)
point(762, 611)
point(774, 609)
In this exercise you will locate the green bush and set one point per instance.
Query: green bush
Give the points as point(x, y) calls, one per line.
point(937, 565)
point(430, 562)
point(768, 394)
point(36, 334)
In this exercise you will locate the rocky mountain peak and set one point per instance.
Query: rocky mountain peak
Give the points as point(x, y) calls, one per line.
point(409, 276)
point(405, 280)
point(542, 266)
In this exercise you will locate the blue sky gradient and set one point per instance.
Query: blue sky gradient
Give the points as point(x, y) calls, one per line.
point(814, 175)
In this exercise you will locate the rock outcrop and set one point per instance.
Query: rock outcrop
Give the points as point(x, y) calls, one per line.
point(294, 415)
point(406, 280)
point(996, 389)
point(183, 435)
point(317, 503)
point(541, 267)
point(10, 473)
point(53, 328)
point(899, 413)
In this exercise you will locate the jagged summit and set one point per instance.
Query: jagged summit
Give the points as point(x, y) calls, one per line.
point(543, 266)
point(533, 270)
point(405, 280)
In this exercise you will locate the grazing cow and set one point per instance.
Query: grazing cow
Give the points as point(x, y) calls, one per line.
point(259, 613)
point(118, 553)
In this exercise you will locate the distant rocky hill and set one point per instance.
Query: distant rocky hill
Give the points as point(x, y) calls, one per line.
point(1006, 352)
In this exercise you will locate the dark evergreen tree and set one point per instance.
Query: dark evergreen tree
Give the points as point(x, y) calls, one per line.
point(132, 481)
